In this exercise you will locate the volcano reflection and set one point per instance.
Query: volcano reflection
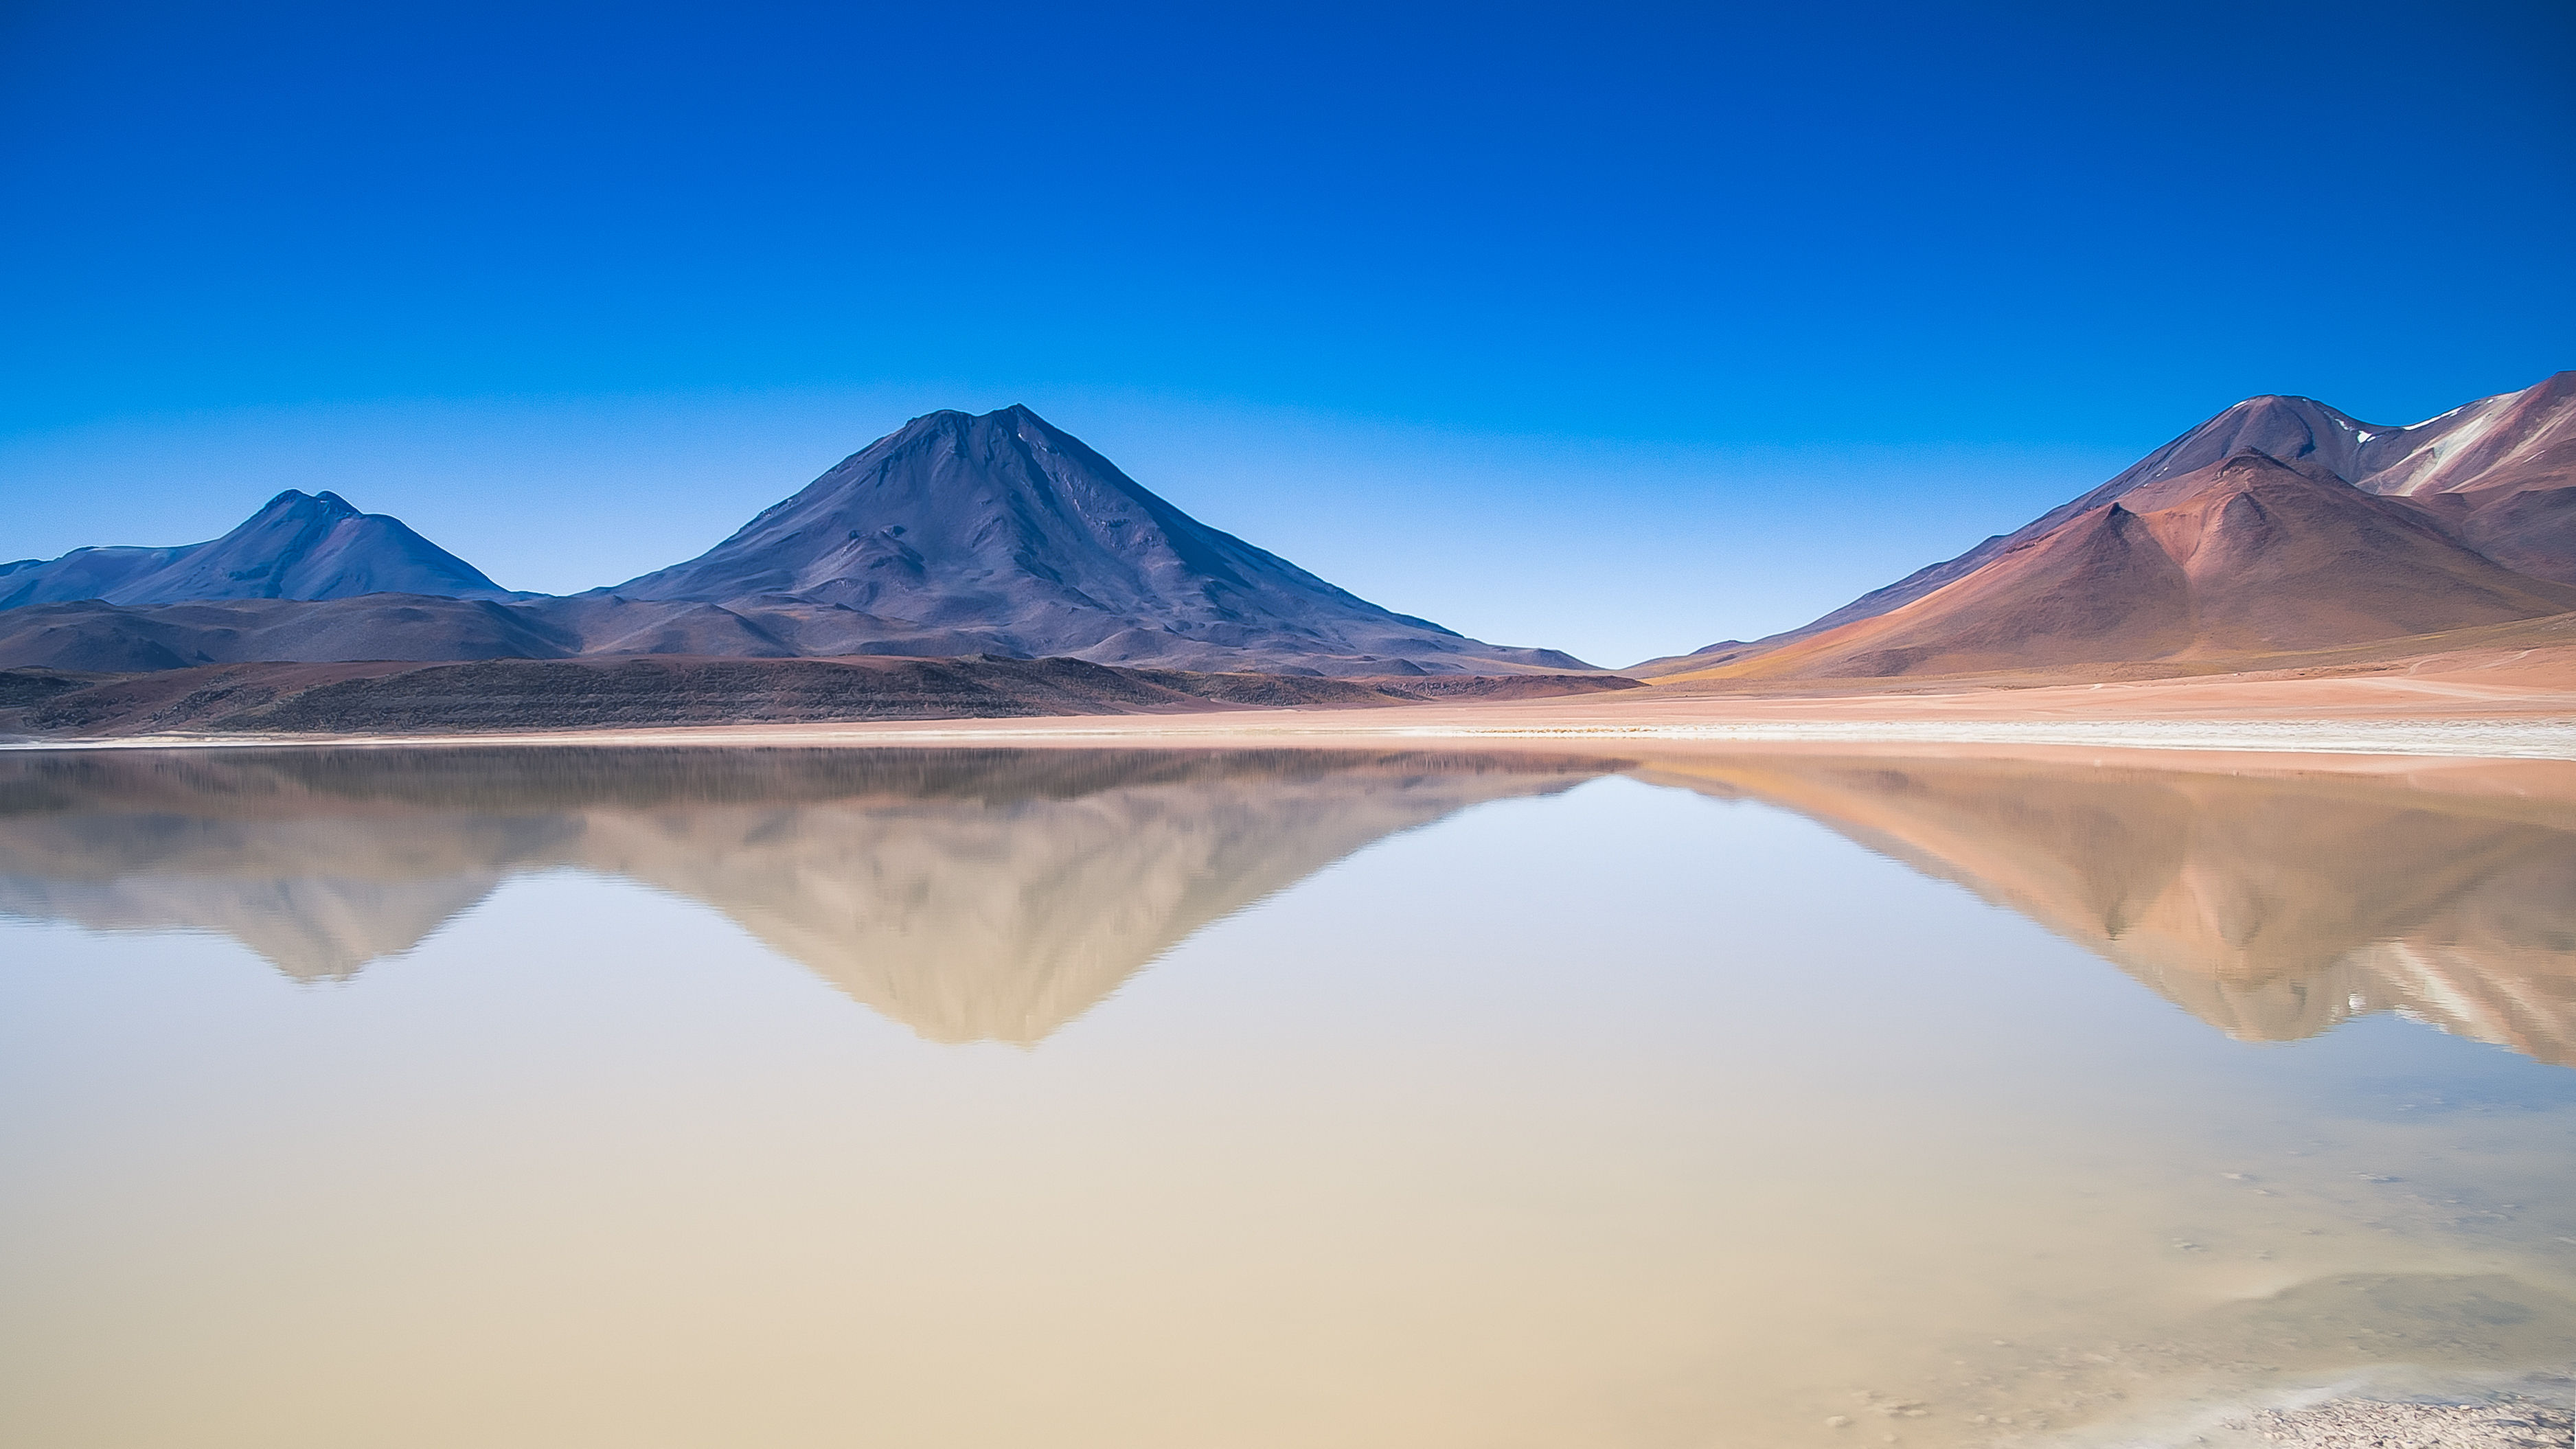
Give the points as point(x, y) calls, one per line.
point(998, 894)
point(971, 895)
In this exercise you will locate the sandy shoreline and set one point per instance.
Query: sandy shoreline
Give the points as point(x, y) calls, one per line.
point(2530, 740)
point(2531, 737)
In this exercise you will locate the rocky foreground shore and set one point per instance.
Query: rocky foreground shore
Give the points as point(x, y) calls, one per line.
point(2534, 1415)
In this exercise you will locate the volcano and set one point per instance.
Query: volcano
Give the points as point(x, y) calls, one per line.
point(308, 546)
point(1003, 524)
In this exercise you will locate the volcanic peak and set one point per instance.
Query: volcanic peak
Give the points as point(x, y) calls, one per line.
point(297, 546)
point(1003, 522)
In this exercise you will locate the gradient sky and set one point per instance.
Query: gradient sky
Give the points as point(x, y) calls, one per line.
point(1614, 328)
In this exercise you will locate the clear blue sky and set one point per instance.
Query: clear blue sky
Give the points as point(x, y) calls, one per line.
point(1617, 328)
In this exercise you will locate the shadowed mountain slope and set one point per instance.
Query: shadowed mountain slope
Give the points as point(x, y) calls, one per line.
point(2271, 908)
point(95, 637)
point(2497, 476)
point(299, 546)
point(1002, 523)
point(511, 696)
point(969, 894)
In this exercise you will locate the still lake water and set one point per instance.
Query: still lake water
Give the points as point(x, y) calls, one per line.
point(1086, 1098)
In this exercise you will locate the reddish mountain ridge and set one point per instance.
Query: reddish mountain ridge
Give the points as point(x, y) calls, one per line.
point(2248, 556)
point(2280, 524)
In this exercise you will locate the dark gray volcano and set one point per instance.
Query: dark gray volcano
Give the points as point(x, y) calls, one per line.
point(1007, 526)
point(298, 546)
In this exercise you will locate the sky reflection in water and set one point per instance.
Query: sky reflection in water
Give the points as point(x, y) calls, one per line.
point(1521, 1099)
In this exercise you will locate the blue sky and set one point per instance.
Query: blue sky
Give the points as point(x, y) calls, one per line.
point(1616, 328)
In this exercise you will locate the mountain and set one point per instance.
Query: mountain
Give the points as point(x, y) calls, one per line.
point(2494, 479)
point(2500, 474)
point(1003, 524)
point(955, 535)
point(299, 546)
point(2248, 556)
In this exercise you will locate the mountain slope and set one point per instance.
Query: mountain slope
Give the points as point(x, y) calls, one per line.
point(1004, 524)
point(95, 637)
point(2292, 428)
point(2246, 556)
point(2497, 477)
point(2499, 474)
point(298, 546)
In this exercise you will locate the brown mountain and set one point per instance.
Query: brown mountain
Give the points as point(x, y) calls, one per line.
point(2494, 480)
point(2500, 474)
point(2246, 556)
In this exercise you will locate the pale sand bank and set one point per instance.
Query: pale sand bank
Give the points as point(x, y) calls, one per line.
point(1505, 726)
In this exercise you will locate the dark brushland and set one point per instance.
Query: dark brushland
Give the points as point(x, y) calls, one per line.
point(512, 695)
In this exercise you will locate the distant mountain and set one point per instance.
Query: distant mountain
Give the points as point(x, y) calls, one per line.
point(1004, 524)
point(2326, 529)
point(299, 546)
point(2247, 556)
point(955, 535)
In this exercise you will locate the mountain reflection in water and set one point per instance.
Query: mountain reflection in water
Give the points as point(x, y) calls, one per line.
point(2271, 906)
point(998, 894)
point(1716, 1098)
point(969, 894)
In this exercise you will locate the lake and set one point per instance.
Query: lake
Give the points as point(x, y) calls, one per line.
point(568, 1097)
